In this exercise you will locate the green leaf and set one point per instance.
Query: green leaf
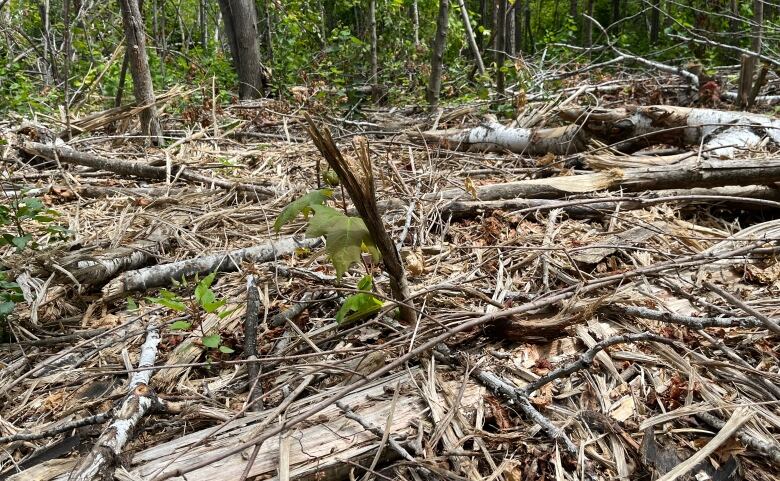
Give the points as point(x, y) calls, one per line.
point(203, 293)
point(213, 305)
point(302, 205)
point(331, 178)
point(21, 242)
point(6, 308)
point(357, 306)
point(166, 294)
point(366, 283)
point(131, 304)
point(345, 237)
point(212, 341)
point(323, 220)
point(174, 304)
point(180, 326)
point(226, 350)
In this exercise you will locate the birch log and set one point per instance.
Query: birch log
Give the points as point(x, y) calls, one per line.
point(722, 133)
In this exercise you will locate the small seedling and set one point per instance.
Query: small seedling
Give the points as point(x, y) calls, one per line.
point(203, 301)
point(346, 239)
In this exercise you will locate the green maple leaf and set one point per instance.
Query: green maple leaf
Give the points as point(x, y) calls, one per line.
point(359, 305)
point(345, 237)
point(303, 205)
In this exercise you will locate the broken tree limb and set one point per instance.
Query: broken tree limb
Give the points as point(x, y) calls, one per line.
point(693, 173)
point(319, 448)
point(493, 136)
point(101, 461)
point(751, 196)
point(136, 169)
point(358, 179)
point(637, 127)
point(94, 268)
point(626, 129)
point(161, 275)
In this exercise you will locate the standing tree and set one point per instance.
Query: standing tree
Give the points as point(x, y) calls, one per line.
point(500, 45)
point(240, 20)
point(655, 22)
point(372, 26)
point(470, 39)
point(749, 62)
point(437, 53)
point(139, 69)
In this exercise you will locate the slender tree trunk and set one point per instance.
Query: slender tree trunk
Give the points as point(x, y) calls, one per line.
point(518, 12)
point(472, 41)
point(120, 89)
point(587, 37)
point(437, 53)
point(615, 13)
point(66, 66)
point(323, 22)
point(509, 28)
point(269, 34)
point(416, 23)
point(203, 23)
point(372, 27)
point(655, 22)
point(573, 9)
point(500, 45)
point(139, 69)
point(529, 33)
point(757, 29)
point(240, 19)
point(46, 60)
point(749, 62)
point(486, 18)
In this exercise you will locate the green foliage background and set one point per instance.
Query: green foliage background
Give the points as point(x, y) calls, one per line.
point(325, 42)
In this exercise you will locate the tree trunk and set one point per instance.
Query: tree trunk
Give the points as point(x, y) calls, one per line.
point(47, 60)
point(240, 19)
point(528, 32)
point(615, 13)
point(472, 41)
point(437, 53)
point(587, 34)
point(416, 23)
point(139, 69)
point(203, 23)
point(509, 37)
point(372, 27)
point(749, 62)
point(486, 19)
point(518, 12)
point(500, 45)
point(655, 22)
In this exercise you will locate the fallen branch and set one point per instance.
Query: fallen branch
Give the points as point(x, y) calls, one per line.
point(704, 173)
point(135, 169)
point(161, 275)
point(100, 462)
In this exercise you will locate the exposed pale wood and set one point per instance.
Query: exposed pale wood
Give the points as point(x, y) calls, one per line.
point(318, 447)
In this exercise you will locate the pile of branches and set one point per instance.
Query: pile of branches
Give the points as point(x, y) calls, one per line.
point(602, 306)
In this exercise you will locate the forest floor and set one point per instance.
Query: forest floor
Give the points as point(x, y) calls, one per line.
point(598, 335)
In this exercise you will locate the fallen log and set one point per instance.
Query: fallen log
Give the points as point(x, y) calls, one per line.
point(161, 275)
point(318, 448)
point(687, 174)
point(718, 133)
point(135, 169)
point(102, 459)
